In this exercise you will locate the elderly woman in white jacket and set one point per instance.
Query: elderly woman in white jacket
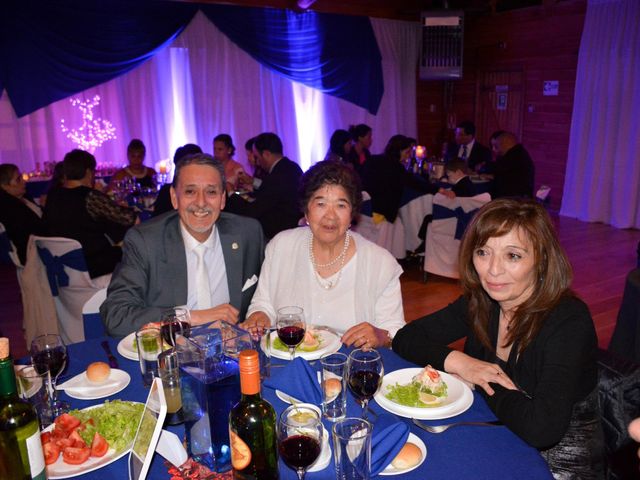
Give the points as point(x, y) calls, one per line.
point(338, 277)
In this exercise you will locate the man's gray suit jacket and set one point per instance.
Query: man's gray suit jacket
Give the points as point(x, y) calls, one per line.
point(152, 275)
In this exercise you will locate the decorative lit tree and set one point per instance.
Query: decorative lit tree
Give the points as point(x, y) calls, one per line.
point(94, 131)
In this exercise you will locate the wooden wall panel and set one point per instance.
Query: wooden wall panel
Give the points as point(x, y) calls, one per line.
point(543, 43)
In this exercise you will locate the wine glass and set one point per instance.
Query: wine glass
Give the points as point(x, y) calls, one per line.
point(291, 327)
point(49, 355)
point(175, 321)
point(300, 433)
point(364, 372)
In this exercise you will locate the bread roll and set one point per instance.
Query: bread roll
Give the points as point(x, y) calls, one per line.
point(98, 372)
point(408, 457)
point(332, 387)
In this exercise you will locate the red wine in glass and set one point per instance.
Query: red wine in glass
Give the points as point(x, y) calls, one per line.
point(51, 359)
point(299, 451)
point(291, 336)
point(169, 329)
point(364, 384)
point(291, 327)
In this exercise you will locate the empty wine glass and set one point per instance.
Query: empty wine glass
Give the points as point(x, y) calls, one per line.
point(49, 355)
point(291, 327)
point(364, 372)
point(300, 437)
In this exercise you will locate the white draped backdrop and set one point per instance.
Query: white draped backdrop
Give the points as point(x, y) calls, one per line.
point(203, 85)
point(602, 182)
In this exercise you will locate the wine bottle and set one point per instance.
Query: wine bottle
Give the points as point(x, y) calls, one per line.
point(21, 456)
point(252, 426)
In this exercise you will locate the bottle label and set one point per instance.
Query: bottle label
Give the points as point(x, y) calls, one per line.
point(240, 452)
point(36, 456)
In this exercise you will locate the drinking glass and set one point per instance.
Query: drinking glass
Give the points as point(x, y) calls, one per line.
point(174, 321)
point(149, 347)
point(352, 448)
point(291, 327)
point(32, 387)
point(49, 355)
point(364, 371)
point(334, 394)
point(300, 433)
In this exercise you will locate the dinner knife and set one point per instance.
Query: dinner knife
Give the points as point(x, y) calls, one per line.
point(113, 362)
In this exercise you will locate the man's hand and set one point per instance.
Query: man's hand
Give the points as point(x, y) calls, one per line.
point(224, 312)
point(364, 335)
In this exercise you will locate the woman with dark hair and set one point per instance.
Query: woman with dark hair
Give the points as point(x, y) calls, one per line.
point(362, 138)
point(339, 278)
point(339, 146)
point(223, 150)
point(385, 177)
point(531, 344)
point(136, 169)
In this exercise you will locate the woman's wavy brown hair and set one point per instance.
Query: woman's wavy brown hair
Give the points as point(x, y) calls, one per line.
point(552, 268)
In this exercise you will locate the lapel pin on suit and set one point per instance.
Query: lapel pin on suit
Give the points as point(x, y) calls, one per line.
point(234, 246)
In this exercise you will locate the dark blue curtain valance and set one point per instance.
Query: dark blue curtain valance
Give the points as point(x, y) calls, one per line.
point(336, 54)
point(51, 50)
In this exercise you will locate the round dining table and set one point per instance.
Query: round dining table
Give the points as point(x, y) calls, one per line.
point(468, 452)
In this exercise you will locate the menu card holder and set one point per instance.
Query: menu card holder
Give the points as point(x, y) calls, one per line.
point(148, 433)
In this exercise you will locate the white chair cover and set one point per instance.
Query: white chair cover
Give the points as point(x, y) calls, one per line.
point(69, 299)
point(441, 246)
point(386, 235)
point(412, 215)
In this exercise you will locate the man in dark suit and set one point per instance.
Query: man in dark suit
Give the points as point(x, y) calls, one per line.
point(197, 256)
point(19, 215)
point(514, 171)
point(476, 155)
point(461, 184)
point(276, 202)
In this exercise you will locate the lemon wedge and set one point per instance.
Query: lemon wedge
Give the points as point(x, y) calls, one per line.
point(428, 399)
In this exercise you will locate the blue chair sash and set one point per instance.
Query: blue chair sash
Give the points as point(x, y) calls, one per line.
point(55, 267)
point(463, 218)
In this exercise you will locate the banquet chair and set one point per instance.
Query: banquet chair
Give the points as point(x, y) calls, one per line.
point(91, 318)
point(450, 219)
point(389, 236)
point(69, 282)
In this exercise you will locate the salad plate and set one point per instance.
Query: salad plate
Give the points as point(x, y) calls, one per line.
point(59, 469)
point(459, 397)
point(81, 388)
point(329, 343)
point(126, 347)
point(417, 441)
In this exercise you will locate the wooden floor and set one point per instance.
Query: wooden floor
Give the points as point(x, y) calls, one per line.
point(601, 257)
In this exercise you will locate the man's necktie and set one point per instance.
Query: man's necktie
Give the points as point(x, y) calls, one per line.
point(202, 279)
point(464, 152)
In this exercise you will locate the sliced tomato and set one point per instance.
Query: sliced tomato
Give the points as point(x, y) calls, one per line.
point(90, 422)
point(58, 433)
point(80, 428)
point(67, 422)
point(75, 456)
point(45, 437)
point(51, 452)
point(76, 438)
point(99, 446)
point(62, 443)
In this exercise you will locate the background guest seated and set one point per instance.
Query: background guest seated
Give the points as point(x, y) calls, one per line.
point(531, 344)
point(80, 212)
point(339, 146)
point(362, 138)
point(338, 277)
point(467, 148)
point(245, 181)
point(514, 170)
point(136, 170)
point(275, 204)
point(20, 216)
point(223, 151)
point(163, 200)
point(461, 184)
point(197, 256)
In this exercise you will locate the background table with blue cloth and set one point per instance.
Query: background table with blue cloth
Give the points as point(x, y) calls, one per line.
point(462, 452)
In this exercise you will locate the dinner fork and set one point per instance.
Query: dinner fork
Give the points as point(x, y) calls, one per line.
point(442, 428)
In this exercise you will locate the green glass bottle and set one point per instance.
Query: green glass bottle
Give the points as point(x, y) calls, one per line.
point(21, 456)
point(252, 426)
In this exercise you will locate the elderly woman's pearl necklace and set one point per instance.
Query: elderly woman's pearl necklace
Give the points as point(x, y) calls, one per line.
point(326, 284)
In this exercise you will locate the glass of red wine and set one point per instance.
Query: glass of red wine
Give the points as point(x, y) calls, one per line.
point(364, 373)
point(49, 355)
point(291, 327)
point(175, 321)
point(300, 433)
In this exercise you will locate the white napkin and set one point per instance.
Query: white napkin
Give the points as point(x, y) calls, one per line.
point(81, 383)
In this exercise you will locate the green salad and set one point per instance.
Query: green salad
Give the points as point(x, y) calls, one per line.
point(116, 421)
point(279, 345)
point(409, 395)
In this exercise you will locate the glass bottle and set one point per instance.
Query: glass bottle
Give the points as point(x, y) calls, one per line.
point(21, 456)
point(252, 426)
